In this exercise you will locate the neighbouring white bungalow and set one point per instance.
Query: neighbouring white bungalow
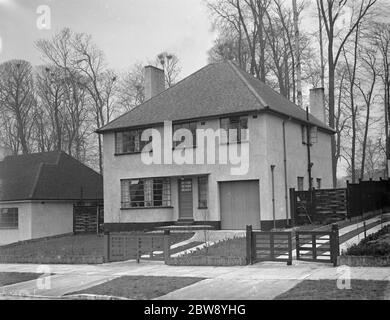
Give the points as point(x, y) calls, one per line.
point(37, 193)
point(251, 190)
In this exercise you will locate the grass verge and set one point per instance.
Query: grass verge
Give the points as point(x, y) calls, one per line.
point(140, 287)
point(327, 290)
point(7, 278)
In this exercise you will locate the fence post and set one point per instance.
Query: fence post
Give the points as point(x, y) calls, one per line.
point(334, 243)
point(106, 247)
point(167, 247)
point(365, 230)
point(297, 244)
point(138, 249)
point(289, 262)
point(249, 255)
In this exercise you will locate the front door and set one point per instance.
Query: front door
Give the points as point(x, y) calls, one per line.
point(185, 199)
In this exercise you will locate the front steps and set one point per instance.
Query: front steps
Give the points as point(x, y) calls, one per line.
point(186, 227)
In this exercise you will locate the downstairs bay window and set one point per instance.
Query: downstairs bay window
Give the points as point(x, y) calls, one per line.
point(145, 193)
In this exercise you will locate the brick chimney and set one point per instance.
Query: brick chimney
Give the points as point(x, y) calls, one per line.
point(317, 104)
point(154, 81)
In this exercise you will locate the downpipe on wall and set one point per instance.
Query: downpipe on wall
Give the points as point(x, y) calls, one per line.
point(273, 195)
point(285, 170)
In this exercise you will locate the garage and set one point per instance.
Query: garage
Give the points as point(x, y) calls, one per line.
point(240, 204)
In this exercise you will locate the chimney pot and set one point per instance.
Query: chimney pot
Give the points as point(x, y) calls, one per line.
point(154, 81)
point(317, 104)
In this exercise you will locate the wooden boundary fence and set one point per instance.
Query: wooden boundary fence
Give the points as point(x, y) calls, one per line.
point(331, 205)
point(121, 246)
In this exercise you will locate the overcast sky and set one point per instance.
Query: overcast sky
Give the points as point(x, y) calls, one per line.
point(128, 31)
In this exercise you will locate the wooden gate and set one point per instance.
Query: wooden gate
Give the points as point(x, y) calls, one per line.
point(122, 246)
point(318, 246)
point(268, 246)
point(88, 218)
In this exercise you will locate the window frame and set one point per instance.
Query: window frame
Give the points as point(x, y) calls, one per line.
point(14, 218)
point(318, 183)
point(238, 120)
point(184, 125)
point(303, 183)
point(205, 202)
point(151, 193)
point(119, 146)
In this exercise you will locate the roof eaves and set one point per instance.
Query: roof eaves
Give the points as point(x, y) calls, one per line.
point(283, 115)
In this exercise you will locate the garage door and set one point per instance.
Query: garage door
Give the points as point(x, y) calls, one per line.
point(240, 204)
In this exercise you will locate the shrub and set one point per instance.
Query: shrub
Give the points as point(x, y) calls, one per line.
point(376, 244)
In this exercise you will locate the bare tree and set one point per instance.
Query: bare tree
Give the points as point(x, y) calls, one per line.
point(17, 100)
point(131, 91)
point(59, 54)
point(331, 13)
point(170, 64)
point(368, 94)
point(381, 41)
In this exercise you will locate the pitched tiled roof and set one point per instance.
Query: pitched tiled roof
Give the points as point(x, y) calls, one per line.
point(217, 89)
point(48, 176)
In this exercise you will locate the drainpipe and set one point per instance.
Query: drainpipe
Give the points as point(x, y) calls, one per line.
point(285, 170)
point(309, 164)
point(273, 195)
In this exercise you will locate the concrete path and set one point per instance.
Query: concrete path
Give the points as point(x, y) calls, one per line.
point(260, 281)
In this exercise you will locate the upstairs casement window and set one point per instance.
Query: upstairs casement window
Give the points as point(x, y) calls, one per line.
point(146, 193)
point(9, 218)
point(236, 129)
point(129, 141)
point(191, 126)
point(318, 183)
point(300, 183)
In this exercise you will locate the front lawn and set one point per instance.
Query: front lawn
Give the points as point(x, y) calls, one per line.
point(65, 246)
point(140, 287)
point(235, 247)
point(71, 245)
point(327, 290)
point(7, 278)
point(376, 244)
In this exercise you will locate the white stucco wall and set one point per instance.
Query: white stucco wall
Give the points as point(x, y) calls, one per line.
point(131, 167)
point(265, 148)
point(23, 232)
point(296, 160)
point(51, 218)
point(37, 220)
